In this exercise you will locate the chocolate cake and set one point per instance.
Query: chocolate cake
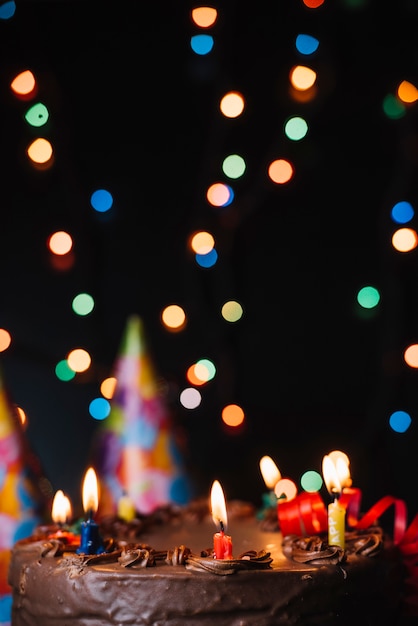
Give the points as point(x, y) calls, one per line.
point(165, 573)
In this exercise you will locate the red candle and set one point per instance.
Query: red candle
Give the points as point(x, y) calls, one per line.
point(222, 543)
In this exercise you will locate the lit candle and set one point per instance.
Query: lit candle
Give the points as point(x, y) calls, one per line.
point(332, 469)
point(222, 543)
point(91, 542)
point(271, 476)
point(61, 508)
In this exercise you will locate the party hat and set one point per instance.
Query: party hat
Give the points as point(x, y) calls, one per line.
point(135, 451)
point(21, 501)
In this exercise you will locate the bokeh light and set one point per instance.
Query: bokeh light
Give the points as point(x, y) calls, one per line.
point(306, 44)
point(83, 304)
point(368, 297)
point(63, 371)
point(60, 242)
point(411, 355)
point(202, 242)
point(190, 398)
point(296, 128)
point(101, 200)
point(7, 10)
point(37, 115)
point(207, 260)
point(285, 489)
point(407, 92)
point(108, 386)
point(24, 84)
point(232, 311)
point(233, 166)
point(202, 44)
point(232, 104)
point(280, 171)
point(302, 78)
point(311, 481)
point(405, 239)
point(40, 151)
point(400, 421)
point(79, 360)
point(204, 16)
point(99, 408)
point(5, 339)
point(402, 212)
point(219, 195)
point(233, 415)
point(173, 317)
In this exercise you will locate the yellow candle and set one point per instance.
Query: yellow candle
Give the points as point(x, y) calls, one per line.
point(336, 524)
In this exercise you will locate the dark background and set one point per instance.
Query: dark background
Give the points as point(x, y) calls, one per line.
point(135, 111)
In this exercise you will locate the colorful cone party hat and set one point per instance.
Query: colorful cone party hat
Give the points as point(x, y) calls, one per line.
point(135, 452)
point(21, 502)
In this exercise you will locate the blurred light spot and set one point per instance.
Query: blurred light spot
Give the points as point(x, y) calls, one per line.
point(402, 212)
point(5, 339)
point(280, 171)
point(313, 4)
point(207, 260)
point(232, 311)
point(296, 128)
point(306, 44)
point(63, 371)
point(407, 92)
point(219, 194)
point(201, 44)
point(204, 16)
point(302, 77)
point(60, 242)
point(205, 369)
point(108, 386)
point(101, 200)
point(83, 304)
point(311, 481)
point(232, 104)
point(285, 489)
point(368, 297)
point(173, 317)
point(79, 360)
point(23, 84)
point(400, 421)
point(37, 115)
point(7, 10)
point(411, 355)
point(99, 408)
point(22, 415)
point(40, 151)
point(392, 108)
point(233, 415)
point(202, 242)
point(404, 239)
point(233, 166)
point(192, 377)
point(190, 398)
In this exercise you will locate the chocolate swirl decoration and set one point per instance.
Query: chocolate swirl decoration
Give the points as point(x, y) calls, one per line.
point(223, 567)
point(316, 551)
point(311, 550)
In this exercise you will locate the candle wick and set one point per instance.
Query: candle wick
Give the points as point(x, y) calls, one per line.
point(221, 524)
point(90, 515)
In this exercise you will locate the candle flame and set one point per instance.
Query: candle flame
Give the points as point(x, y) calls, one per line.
point(269, 471)
point(90, 492)
point(61, 508)
point(336, 472)
point(218, 506)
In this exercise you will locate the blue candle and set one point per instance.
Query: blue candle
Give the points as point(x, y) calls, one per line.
point(91, 541)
